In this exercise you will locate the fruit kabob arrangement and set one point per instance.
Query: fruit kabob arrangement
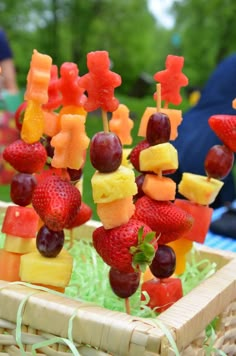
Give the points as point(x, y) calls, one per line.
point(145, 232)
point(48, 159)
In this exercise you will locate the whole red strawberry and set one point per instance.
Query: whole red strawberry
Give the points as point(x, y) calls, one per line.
point(164, 217)
point(127, 247)
point(224, 127)
point(56, 201)
point(83, 215)
point(135, 153)
point(25, 157)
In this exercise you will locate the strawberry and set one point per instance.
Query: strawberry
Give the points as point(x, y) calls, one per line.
point(52, 171)
point(56, 201)
point(25, 157)
point(224, 127)
point(83, 215)
point(19, 115)
point(134, 154)
point(128, 247)
point(164, 217)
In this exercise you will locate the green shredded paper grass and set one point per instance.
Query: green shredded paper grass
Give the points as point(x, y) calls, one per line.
point(89, 282)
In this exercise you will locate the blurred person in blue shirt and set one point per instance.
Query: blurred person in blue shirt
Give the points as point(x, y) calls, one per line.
point(8, 72)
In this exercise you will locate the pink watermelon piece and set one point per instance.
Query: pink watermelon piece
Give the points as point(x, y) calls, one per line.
point(20, 221)
point(172, 79)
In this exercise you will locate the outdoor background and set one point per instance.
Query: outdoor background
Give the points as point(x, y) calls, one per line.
point(202, 31)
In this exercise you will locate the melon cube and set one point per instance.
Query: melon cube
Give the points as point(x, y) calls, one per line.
point(159, 188)
point(9, 266)
point(199, 189)
point(115, 213)
point(107, 187)
point(19, 244)
point(159, 157)
point(175, 117)
point(202, 216)
point(20, 221)
point(54, 271)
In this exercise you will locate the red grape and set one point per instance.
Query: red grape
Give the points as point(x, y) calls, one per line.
point(164, 262)
point(75, 174)
point(123, 284)
point(48, 242)
point(22, 187)
point(105, 152)
point(139, 181)
point(158, 128)
point(218, 162)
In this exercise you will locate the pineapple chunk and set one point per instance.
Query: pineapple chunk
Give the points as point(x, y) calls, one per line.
point(158, 158)
point(199, 189)
point(112, 186)
point(54, 271)
point(18, 244)
point(125, 161)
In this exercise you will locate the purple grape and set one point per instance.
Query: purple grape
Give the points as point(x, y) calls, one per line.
point(75, 174)
point(106, 152)
point(158, 129)
point(123, 284)
point(218, 162)
point(22, 188)
point(139, 182)
point(48, 242)
point(164, 262)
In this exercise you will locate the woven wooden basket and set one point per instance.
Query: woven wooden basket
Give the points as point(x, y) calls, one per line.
point(29, 316)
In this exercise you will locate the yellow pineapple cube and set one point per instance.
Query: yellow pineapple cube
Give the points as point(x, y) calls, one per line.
point(125, 161)
point(18, 244)
point(54, 271)
point(199, 189)
point(107, 187)
point(158, 158)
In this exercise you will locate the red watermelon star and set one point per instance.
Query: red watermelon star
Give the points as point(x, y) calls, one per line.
point(171, 79)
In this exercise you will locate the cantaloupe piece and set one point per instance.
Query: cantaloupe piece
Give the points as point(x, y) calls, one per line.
point(159, 188)
point(51, 124)
point(57, 289)
point(9, 266)
point(38, 78)
point(159, 157)
point(72, 110)
point(107, 187)
point(175, 117)
point(19, 244)
point(202, 219)
point(121, 124)
point(199, 189)
point(54, 271)
point(181, 247)
point(115, 213)
point(70, 143)
point(147, 275)
point(33, 122)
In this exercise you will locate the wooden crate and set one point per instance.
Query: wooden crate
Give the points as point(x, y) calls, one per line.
point(29, 315)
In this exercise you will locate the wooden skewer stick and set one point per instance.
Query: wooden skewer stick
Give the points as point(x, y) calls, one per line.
point(105, 121)
point(127, 305)
point(158, 89)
